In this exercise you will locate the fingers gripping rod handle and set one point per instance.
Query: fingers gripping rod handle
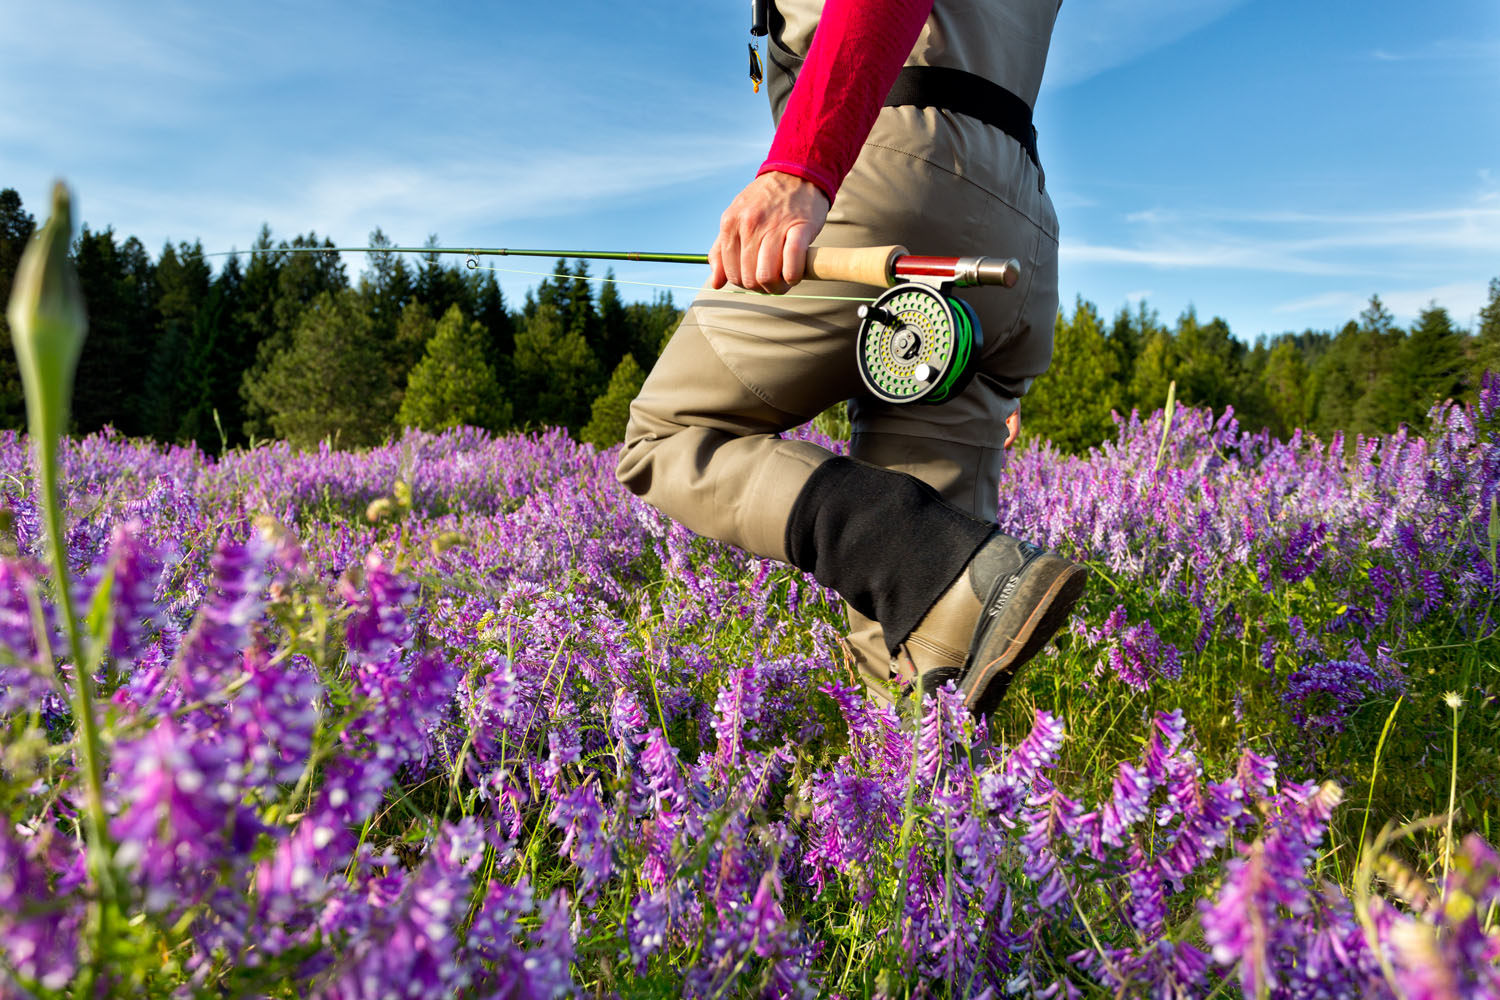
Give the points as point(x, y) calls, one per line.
point(885, 266)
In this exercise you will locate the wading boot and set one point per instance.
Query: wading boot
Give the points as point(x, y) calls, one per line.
point(1006, 604)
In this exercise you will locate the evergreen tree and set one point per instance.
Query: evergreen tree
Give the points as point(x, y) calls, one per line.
point(1128, 335)
point(1430, 365)
point(614, 326)
point(1209, 361)
point(582, 316)
point(1155, 368)
point(16, 227)
point(182, 343)
point(213, 418)
point(1353, 379)
point(1336, 383)
point(406, 348)
point(300, 280)
point(1487, 337)
point(1071, 404)
point(331, 382)
point(1287, 383)
point(651, 325)
point(555, 292)
point(1252, 406)
point(569, 293)
point(119, 290)
point(388, 286)
point(500, 328)
point(440, 286)
point(555, 372)
point(256, 316)
point(611, 411)
point(1385, 403)
point(453, 384)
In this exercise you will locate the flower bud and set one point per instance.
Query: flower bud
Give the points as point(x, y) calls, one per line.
point(447, 540)
point(48, 321)
point(379, 509)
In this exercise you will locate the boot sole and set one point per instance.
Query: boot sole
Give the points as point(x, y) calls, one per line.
point(990, 671)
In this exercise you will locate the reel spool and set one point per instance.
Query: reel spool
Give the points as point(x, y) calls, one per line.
point(917, 344)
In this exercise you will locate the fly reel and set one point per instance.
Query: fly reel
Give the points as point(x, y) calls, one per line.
point(917, 344)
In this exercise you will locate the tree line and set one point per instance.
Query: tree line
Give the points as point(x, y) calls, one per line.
point(285, 345)
point(1368, 377)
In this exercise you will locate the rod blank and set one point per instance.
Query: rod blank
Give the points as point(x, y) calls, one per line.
point(878, 266)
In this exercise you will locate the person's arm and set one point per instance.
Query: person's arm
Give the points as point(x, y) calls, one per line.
point(856, 53)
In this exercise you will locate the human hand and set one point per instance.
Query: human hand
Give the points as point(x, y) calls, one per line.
point(1013, 426)
point(765, 232)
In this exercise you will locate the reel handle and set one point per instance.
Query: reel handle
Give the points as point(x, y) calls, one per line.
point(861, 265)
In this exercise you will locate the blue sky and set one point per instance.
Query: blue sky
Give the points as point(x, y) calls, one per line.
point(1274, 163)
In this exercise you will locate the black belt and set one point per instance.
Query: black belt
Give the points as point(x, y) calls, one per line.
point(966, 94)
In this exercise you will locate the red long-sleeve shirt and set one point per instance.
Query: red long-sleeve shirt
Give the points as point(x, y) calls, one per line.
point(856, 53)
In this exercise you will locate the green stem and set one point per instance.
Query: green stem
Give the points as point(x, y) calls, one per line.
point(1452, 804)
point(1375, 774)
point(96, 820)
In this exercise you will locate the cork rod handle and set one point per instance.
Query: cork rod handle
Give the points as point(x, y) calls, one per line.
point(862, 265)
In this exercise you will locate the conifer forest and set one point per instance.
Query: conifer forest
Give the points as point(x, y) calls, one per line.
point(291, 347)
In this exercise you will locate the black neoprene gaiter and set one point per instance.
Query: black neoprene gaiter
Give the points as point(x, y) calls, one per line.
point(886, 541)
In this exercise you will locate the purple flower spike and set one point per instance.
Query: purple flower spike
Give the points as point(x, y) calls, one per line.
point(379, 627)
point(1128, 805)
point(137, 569)
point(179, 813)
point(586, 838)
point(25, 683)
point(210, 655)
point(1038, 752)
point(38, 937)
point(647, 927)
point(272, 720)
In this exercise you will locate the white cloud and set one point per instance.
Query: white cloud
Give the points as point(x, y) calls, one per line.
point(1462, 299)
point(1097, 35)
point(1342, 302)
point(1447, 50)
point(1202, 254)
point(346, 199)
point(1064, 199)
point(1298, 242)
point(175, 121)
point(1152, 216)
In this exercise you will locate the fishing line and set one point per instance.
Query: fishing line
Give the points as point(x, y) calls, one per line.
point(474, 265)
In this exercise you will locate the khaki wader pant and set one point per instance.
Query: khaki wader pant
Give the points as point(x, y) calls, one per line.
point(702, 442)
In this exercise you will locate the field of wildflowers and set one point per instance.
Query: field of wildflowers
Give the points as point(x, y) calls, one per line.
point(459, 715)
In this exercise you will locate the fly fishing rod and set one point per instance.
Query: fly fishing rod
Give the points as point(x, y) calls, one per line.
point(917, 342)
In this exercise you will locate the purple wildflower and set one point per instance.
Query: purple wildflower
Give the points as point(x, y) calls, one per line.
point(25, 682)
point(38, 937)
point(586, 838)
point(179, 813)
point(211, 651)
